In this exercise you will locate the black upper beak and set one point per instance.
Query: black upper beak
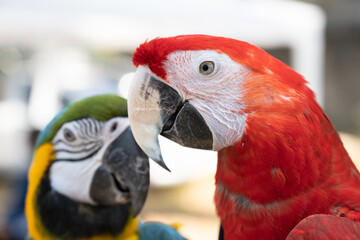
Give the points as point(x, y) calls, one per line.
point(156, 108)
point(126, 169)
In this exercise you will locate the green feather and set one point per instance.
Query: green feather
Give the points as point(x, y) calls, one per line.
point(100, 107)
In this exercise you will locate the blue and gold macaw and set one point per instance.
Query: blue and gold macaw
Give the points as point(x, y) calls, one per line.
point(89, 179)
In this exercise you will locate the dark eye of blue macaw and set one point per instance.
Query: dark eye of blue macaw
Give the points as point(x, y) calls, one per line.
point(206, 67)
point(69, 135)
point(113, 127)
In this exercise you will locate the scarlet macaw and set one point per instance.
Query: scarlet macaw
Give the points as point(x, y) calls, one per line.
point(280, 160)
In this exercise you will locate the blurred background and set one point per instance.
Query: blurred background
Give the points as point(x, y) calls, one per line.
point(55, 52)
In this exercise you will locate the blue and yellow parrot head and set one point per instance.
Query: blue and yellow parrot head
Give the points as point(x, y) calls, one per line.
point(88, 178)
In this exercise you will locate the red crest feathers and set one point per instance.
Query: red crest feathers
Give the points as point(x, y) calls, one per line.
point(153, 53)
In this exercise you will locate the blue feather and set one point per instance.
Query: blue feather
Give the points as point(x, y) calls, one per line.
point(158, 231)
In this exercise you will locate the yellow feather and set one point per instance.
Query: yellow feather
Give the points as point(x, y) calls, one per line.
point(43, 155)
point(177, 226)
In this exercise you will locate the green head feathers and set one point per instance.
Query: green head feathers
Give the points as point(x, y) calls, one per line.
point(100, 107)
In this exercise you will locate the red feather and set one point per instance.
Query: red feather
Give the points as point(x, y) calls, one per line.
point(325, 227)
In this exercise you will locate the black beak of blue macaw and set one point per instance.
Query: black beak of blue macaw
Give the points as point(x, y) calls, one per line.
point(125, 170)
point(155, 108)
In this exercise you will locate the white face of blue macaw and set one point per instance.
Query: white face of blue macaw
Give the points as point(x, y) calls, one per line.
point(79, 148)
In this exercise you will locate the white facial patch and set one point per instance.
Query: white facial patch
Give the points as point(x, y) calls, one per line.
point(217, 96)
point(73, 179)
point(79, 149)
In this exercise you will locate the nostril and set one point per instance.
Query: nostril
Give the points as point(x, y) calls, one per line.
point(113, 127)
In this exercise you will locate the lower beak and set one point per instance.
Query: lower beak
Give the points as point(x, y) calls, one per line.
point(129, 167)
point(156, 108)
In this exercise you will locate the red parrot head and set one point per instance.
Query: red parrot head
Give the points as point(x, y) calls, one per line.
point(202, 91)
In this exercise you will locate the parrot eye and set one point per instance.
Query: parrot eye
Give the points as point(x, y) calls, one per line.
point(69, 135)
point(206, 67)
point(113, 127)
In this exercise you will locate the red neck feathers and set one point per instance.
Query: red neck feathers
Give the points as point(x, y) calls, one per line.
point(290, 163)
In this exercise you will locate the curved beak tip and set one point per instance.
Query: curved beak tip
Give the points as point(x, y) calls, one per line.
point(138, 192)
point(162, 164)
point(136, 208)
point(155, 154)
